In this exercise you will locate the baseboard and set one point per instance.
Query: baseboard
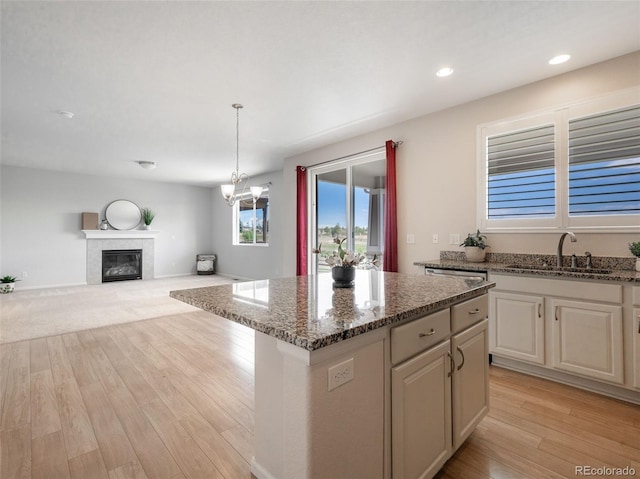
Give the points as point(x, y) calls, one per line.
point(260, 472)
point(609, 390)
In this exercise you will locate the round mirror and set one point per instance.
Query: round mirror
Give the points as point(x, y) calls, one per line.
point(123, 215)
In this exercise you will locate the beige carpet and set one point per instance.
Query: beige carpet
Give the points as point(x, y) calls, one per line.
point(44, 312)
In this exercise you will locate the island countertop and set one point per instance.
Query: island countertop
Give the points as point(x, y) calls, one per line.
point(308, 312)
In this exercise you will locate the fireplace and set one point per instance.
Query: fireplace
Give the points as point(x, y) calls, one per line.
point(121, 265)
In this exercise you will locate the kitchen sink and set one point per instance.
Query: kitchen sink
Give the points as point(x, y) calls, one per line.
point(544, 267)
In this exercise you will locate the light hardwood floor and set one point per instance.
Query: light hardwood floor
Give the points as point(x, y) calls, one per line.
point(172, 397)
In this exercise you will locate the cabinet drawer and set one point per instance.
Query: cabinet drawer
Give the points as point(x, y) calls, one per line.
point(470, 312)
point(419, 335)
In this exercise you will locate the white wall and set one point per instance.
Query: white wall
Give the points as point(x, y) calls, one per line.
point(41, 222)
point(248, 261)
point(436, 167)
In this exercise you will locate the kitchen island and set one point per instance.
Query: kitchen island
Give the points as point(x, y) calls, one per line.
point(323, 363)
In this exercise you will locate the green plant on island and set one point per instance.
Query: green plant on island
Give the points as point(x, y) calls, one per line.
point(476, 240)
point(635, 248)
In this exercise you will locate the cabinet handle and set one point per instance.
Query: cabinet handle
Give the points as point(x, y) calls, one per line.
point(556, 313)
point(539, 310)
point(453, 364)
point(462, 355)
point(430, 333)
point(475, 311)
point(639, 324)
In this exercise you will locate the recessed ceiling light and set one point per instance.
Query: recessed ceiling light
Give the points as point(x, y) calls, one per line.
point(444, 72)
point(66, 114)
point(147, 165)
point(559, 59)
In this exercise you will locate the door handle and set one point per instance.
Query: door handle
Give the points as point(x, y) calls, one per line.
point(430, 333)
point(453, 364)
point(462, 355)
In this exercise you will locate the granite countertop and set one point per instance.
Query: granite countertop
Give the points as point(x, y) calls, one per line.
point(617, 269)
point(308, 312)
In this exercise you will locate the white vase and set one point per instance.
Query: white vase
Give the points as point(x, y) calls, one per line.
point(474, 254)
point(7, 288)
point(638, 264)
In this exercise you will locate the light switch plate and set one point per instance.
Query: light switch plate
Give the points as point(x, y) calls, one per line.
point(454, 238)
point(411, 239)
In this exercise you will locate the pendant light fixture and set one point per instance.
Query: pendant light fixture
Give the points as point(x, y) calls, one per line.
point(230, 192)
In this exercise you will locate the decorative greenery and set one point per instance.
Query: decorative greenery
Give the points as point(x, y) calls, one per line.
point(345, 258)
point(476, 240)
point(147, 216)
point(8, 279)
point(635, 249)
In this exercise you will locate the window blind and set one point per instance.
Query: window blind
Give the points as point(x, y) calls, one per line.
point(521, 173)
point(604, 163)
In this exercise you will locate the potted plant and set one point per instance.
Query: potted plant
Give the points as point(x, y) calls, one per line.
point(635, 251)
point(343, 264)
point(147, 217)
point(7, 284)
point(474, 247)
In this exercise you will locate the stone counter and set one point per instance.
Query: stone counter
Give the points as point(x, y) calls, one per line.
point(621, 268)
point(307, 312)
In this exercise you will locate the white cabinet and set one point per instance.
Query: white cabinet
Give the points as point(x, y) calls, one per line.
point(470, 380)
point(421, 412)
point(517, 326)
point(439, 395)
point(587, 339)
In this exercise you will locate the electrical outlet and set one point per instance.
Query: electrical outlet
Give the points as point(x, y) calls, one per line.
point(454, 238)
point(24, 274)
point(340, 374)
point(434, 238)
point(411, 239)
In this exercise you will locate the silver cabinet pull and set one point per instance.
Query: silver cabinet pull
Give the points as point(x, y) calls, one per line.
point(430, 333)
point(475, 311)
point(453, 364)
point(539, 310)
point(639, 324)
point(462, 355)
point(556, 313)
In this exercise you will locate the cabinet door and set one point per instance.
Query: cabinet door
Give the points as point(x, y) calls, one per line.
point(421, 414)
point(636, 348)
point(587, 339)
point(517, 326)
point(470, 386)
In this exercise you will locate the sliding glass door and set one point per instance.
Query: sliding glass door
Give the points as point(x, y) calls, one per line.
point(347, 201)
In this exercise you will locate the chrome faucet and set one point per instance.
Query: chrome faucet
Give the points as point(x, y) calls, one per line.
point(560, 243)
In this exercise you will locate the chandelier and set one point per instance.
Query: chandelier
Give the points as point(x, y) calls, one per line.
point(231, 192)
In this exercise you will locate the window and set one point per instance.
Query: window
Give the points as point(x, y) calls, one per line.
point(604, 163)
point(576, 167)
point(251, 220)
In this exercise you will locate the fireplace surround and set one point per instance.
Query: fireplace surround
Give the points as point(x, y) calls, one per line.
point(97, 241)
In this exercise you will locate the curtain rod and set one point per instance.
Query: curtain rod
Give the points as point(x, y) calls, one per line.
point(395, 145)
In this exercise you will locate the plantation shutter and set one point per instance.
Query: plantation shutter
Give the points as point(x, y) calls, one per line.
point(604, 163)
point(521, 173)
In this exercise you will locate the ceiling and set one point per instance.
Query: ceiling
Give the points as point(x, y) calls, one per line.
point(154, 81)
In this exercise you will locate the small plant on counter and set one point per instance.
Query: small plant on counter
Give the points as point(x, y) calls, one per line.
point(344, 258)
point(147, 216)
point(635, 249)
point(477, 240)
point(7, 284)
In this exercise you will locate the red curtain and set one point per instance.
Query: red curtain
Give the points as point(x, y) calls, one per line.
point(390, 254)
point(301, 221)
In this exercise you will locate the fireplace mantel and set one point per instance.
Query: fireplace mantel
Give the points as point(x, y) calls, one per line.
point(120, 234)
